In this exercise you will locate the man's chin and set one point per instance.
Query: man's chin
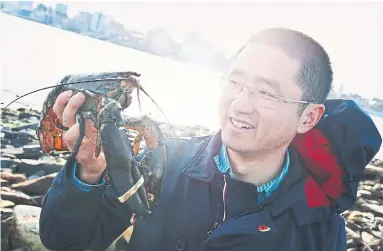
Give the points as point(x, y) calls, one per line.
point(237, 144)
point(231, 141)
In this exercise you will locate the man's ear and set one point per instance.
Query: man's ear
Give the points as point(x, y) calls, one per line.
point(310, 117)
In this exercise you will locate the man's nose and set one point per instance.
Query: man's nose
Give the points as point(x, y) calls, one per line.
point(243, 103)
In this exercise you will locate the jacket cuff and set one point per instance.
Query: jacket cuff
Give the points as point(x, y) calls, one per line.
point(82, 185)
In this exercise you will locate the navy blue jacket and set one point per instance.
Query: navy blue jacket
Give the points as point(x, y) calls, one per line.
point(302, 214)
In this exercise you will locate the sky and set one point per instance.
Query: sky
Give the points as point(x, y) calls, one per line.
point(347, 30)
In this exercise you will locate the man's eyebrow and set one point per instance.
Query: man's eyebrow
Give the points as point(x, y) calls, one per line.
point(273, 83)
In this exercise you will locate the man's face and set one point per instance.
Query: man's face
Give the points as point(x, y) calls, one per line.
point(252, 123)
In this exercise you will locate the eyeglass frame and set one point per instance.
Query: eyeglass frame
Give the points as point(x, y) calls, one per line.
point(278, 97)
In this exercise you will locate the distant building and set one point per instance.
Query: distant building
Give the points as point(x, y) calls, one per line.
point(62, 8)
point(25, 5)
point(83, 21)
point(24, 12)
point(112, 28)
point(40, 13)
point(97, 20)
point(49, 19)
point(41, 7)
point(14, 5)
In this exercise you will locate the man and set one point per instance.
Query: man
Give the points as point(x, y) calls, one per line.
point(283, 166)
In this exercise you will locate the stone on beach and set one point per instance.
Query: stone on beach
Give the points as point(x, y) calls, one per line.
point(26, 175)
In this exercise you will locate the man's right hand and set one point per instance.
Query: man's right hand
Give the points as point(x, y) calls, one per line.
point(90, 168)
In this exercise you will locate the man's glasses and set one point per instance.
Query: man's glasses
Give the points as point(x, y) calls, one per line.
point(258, 96)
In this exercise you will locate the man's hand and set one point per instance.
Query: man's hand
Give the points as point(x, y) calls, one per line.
point(90, 168)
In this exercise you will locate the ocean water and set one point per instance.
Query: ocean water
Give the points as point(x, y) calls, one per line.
point(34, 55)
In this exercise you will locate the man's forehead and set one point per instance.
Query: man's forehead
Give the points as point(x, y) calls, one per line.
point(258, 79)
point(264, 62)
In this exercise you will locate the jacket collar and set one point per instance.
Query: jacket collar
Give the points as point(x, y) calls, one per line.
point(202, 165)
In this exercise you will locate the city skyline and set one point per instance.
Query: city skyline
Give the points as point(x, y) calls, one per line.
point(350, 31)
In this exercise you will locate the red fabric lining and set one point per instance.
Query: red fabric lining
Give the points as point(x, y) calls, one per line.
point(325, 174)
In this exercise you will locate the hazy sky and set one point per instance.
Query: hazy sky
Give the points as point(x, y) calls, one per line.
point(351, 32)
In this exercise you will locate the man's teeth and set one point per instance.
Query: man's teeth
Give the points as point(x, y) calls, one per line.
point(241, 125)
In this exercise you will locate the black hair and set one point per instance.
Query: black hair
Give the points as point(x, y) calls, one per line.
point(316, 75)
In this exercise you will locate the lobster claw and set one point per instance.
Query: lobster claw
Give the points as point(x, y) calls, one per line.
point(122, 169)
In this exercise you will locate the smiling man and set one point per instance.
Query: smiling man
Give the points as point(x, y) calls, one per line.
point(276, 176)
point(274, 77)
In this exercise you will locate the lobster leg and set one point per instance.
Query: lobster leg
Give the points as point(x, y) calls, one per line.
point(152, 164)
point(77, 145)
point(122, 168)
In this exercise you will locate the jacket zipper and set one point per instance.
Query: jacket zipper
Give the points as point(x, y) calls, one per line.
point(215, 226)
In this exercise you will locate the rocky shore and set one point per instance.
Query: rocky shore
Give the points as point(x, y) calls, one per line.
point(26, 175)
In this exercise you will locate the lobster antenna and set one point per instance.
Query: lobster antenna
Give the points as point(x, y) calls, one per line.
point(163, 113)
point(58, 85)
point(28, 94)
point(95, 80)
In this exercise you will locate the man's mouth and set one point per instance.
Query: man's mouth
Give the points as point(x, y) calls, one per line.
point(241, 124)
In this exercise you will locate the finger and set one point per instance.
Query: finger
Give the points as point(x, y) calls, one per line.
point(69, 114)
point(61, 101)
point(72, 135)
point(87, 151)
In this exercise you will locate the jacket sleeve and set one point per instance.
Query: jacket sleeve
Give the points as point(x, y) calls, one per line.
point(354, 139)
point(78, 216)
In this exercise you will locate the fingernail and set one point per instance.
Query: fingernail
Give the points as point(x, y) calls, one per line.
point(68, 94)
point(78, 97)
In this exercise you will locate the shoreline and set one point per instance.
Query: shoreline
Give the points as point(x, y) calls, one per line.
point(27, 174)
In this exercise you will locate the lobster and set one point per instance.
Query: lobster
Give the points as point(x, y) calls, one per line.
point(137, 182)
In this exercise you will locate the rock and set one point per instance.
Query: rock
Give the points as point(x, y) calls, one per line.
point(26, 115)
point(18, 197)
point(13, 177)
point(37, 175)
point(18, 139)
point(377, 162)
point(6, 203)
point(5, 233)
point(6, 213)
point(8, 163)
point(6, 170)
point(351, 244)
point(31, 166)
point(20, 125)
point(360, 217)
point(367, 238)
point(20, 249)
point(26, 228)
point(5, 141)
point(24, 152)
point(378, 187)
point(376, 209)
point(11, 152)
point(35, 186)
point(378, 224)
point(3, 182)
point(377, 194)
point(366, 194)
point(373, 172)
point(32, 151)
